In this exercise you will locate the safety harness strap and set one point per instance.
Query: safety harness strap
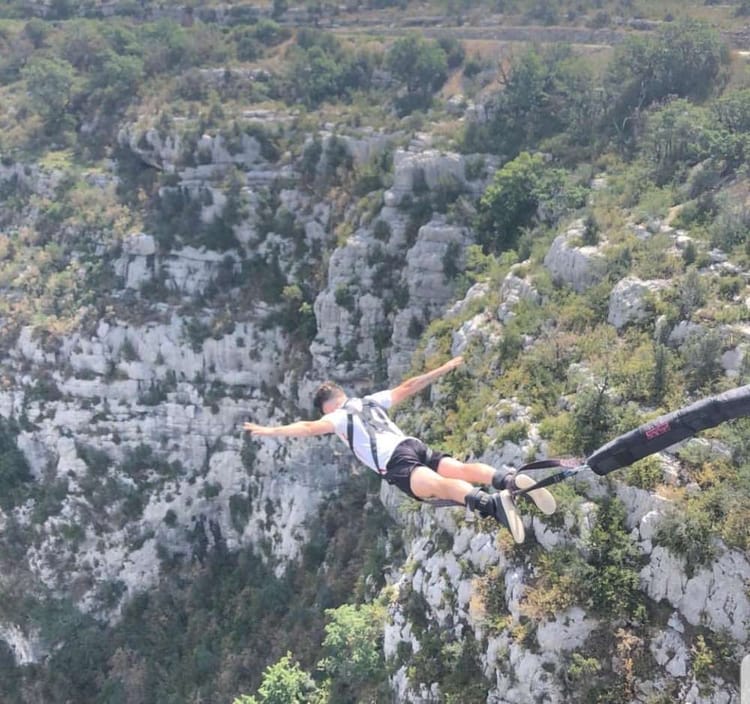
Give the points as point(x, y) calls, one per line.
point(571, 467)
point(369, 423)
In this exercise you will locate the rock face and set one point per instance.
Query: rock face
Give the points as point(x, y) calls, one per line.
point(136, 421)
point(140, 414)
point(382, 288)
point(426, 170)
point(579, 267)
point(515, 289)
point(629, 299)
point(187, 270)
point(135, 387)
point(713, 596)
point(453, 581)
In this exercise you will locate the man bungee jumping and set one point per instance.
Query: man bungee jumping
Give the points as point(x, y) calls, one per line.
point(406, 462)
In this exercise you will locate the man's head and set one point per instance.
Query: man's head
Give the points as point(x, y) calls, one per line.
point(328, 397)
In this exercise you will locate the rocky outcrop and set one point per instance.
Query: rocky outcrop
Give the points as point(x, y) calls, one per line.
point(366, 277)
point(513, 290)
point(714, 596)
point(415, 172)
point(572, 264)
point(124, 387)
point(188, 271)
point(451, 564)
point(628, 302)
point(166, 151)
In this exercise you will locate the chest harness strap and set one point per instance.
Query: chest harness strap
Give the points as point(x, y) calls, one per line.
point(374, 420)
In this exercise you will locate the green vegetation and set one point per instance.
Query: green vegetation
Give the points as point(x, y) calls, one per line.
point(219, 618)
point(283, 682)
point(14, 470)
point(111, 128)
point(419, 64)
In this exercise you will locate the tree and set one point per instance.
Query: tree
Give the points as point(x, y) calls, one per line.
point(511, 201)
point(593, 418)
point(421, 66)
point(353, 642)
point(321, 69)
point(50, 85)
point(283, 683)
point(37, 30)
point(701, 353)
point(676, 137)
point(14, 470)
point(546, 92)
point(279, 8)
point(686, 60)
point(117, 82)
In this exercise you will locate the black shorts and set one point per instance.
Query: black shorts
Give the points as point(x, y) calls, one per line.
point(408, 455)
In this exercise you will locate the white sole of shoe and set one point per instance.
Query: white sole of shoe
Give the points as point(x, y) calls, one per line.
point(515, 522)
point(543, 499)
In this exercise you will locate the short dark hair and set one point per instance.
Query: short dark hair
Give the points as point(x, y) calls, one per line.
point(326, 391)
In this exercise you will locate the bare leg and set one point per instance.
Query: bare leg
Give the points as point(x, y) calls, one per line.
point(476, 472)
point(427, 484)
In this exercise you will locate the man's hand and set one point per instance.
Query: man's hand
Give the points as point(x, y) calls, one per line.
point(454, 363)
point(255, 429)
point(414, 385)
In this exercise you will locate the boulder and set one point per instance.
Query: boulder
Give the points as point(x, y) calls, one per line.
point(669, 651)
point(579, 267)
point(428, 169)
point(513, 290)
point(628, 302)
point(27, 648)
point(567, 631)
point(426, 263)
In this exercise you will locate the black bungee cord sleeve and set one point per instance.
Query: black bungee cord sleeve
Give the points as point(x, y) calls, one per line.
point(657, 435)
point(649, 438)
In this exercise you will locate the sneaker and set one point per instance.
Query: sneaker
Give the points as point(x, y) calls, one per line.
point(543, 499)
point(506, 513)
point(499, 506)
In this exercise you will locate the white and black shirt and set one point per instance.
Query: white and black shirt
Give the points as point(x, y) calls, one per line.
point(384, 433)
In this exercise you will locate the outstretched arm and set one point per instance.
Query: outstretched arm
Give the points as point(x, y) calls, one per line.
point(417, 383)
point(301, 428)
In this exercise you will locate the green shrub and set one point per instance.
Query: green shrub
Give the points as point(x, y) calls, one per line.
point(283, 683)
point(701, 354)
point(50, 83)
point(612, 580)
point(353, 645)
point(546, 93)
point(240, 509)
point(593, 417)
point(97, 460)
point(686, 60)
point(14, 470)
point(676, 137)
point(687, 533)
point(382, 231)
point(645, 474)
point(319, 68)
point(345, 297)
point(421, 66)
point(512, 201)
point(514, 431)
